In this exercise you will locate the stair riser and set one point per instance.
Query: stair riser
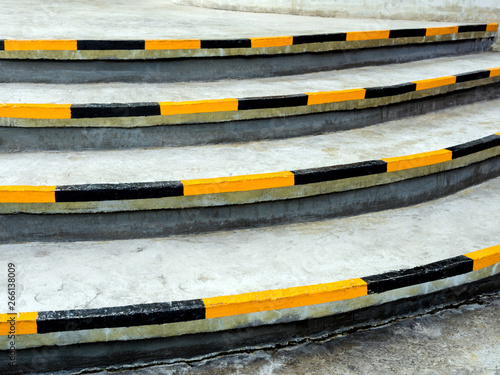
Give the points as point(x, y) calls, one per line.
point(243, 334)
point(39, 139)
point(211, 69)
point(143, 224)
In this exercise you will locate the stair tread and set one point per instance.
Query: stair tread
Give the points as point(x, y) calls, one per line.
point(373, 76)
point(118, 273)
point(157, 19)
point(407, 136)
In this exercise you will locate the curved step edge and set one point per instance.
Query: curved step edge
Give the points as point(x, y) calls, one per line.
point(242, 201)
point(175, 48)
point(214, 314)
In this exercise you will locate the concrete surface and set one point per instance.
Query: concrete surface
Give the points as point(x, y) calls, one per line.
point(463, 340)
point(403, 137)
point(296, 84)
point(157, 69)
point(55, 276)
point(433, 10)
point(161, 19)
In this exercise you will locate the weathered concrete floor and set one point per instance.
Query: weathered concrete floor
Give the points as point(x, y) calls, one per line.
point(371, 76)
point(403, 137)
point(464, 340)
point(56, 276)
point(160, 19)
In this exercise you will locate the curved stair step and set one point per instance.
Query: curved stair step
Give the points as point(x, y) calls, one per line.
point(127, 115)
point(124, 194)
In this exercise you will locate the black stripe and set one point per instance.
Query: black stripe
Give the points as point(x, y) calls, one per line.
point(235, 43)
point(2, 45)
point(272, 102)
point(475, 146)
point(418, 275)
point(471, 28)
point(111, 192)
point(126, 316)
point(337, 172)
point(379, 92)
point(85, 45)
point(115, 110)
point(319, 38)
point(407, 33)
point(479, 74)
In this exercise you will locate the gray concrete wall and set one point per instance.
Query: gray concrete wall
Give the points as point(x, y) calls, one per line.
point(430, 10)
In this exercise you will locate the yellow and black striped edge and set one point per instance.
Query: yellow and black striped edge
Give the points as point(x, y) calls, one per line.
point(263, 42)
point(163, 189)
point(148, 109)
point(217, 307)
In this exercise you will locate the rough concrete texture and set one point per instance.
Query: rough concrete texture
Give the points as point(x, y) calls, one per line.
point(296, 84)
point(161, 19)
point(432, 10)
point(403, 137)
point(429, 10)
point(463, 340)
point(100, 274)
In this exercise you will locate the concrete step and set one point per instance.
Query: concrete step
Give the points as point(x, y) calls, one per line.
point(147, 115)
point(414, 135)
point(162, 41)
point(143, 193)
point(141, 276)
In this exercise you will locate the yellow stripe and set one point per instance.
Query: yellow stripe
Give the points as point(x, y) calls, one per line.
point(492, 26)
point(417, 160)
point(201, 106)
point(441, 30)
point(485, 257)
point(40, 45)
point(40, 111)
point(27, 194)
point(284, 298)
point(494, 72)
point(25, 323)
point(334, 96)
point(425, 84)
point(273, 41)
point(173, 44)
point(368, 35)
point(238, 183)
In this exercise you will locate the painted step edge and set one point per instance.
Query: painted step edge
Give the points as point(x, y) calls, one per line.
point(134, 322)
point(244, 189)
point(229, 109)
point(16, 139)
point(176, 48)
point(236, 67)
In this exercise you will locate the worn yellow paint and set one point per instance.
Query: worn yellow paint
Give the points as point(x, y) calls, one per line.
point(494, 72)
point(238, 183)
point(425, 84)
point(417, 160)
point(492, 26)
point(485, 257)
point(441, 30)
point(40, 45)
point(27, 194)
point(368, 35)
point(284, 298)
point(334, 96)
point(272, 41)
point(25, 323)
point(39, 111)
point(201, 106)
point(173, 44)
